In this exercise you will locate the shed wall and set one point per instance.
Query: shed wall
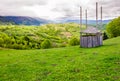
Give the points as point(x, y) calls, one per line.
point(91, 41)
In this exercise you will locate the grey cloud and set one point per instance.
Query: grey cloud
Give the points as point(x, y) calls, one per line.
point(111, 8)
point(23, 2)
point(66, 9)
point(13, 7)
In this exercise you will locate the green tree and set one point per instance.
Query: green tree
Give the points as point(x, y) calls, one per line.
point(105, 36)
point(113, 28)
point(73, 41)
point(1, 41)
point(46, 44)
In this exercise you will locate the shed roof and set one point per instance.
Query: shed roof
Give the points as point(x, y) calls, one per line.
point(91, 30)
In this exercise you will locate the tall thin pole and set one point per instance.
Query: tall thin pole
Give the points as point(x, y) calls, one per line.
point(80, 25)
point(86, 17)
point(96, 14)
point(80, 19)
point(101, 15)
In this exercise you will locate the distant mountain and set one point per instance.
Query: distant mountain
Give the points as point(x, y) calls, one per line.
point(22, 20)
point(91, 22)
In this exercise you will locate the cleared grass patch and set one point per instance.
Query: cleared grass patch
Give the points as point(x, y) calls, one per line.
point(62, 64)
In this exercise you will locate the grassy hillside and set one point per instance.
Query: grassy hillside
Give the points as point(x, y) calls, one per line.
point(62, 64)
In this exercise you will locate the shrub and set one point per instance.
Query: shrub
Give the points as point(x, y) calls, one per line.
point(12, 41)
point(24, 42)
point(38, 46)
point(73, 41)
point(7, 40)
point(55, 45)
point(64, 44)
point(105, 36)
point(30, 44)
point(113, 28)
point(24, 47)
point(26, 38)
point(9, 46)
point(17, 46)
point(1, 41)
point(46, 44)
point(34, 45)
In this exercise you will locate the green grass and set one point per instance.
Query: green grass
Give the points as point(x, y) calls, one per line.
point(62, 64)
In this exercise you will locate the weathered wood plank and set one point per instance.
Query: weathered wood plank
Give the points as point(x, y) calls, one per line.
point(85, 42)
point(81, 41)
point(101, 40)
point(91, 41)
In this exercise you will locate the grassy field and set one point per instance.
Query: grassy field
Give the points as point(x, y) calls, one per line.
point(62, 64)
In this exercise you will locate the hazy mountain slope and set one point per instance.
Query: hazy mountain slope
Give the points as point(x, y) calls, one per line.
point(22, 20)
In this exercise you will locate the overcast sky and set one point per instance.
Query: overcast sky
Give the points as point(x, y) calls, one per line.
point(52, 9)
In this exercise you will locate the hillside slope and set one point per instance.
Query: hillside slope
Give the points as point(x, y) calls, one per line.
point(31, 37)
point(22, 20)
point(75, 20)
point(62, 64)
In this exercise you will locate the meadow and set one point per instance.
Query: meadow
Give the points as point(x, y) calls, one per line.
point(62, 64)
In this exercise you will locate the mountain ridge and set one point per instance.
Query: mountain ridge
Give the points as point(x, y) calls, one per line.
point(26, 20)
point(22, 20)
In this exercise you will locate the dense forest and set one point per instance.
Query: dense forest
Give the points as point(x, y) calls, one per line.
point(36, 37)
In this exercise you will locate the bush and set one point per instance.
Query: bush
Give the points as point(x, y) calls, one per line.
point(1, 41)
point(17, 46)
point(7, 40)
point(105, 36)
point(74, 41)
point(9, 46)
point(26, 38)
point(34, 45)
point(113, 28)
point(64, 44)
point(12, 41)
point(30, 45)
point(46, 44)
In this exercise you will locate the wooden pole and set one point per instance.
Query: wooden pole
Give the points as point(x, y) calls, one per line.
point(101, 16)
point(80, 26)
point(96, 14)
point(80, 20)
point(86, 17)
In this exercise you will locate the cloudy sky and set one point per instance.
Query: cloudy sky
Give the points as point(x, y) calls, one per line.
point(52, 9)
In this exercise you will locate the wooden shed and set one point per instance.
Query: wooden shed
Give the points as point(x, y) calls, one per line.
point(91, 37)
